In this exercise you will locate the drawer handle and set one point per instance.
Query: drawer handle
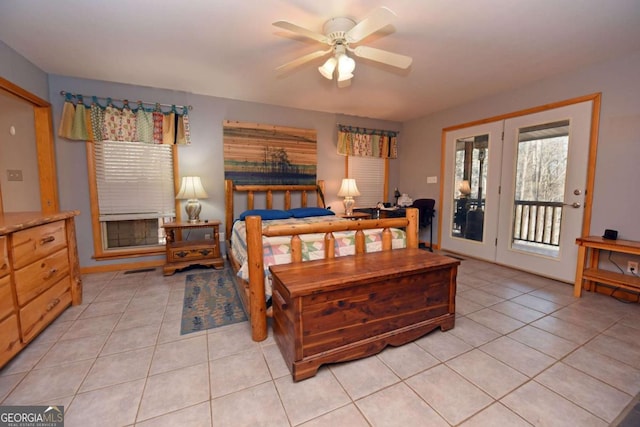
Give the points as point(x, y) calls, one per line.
point(53, 303)
point(11, 345)
point(182, 254)
point(204, 252)
point(51, 273)
point(47, 239)
point(279, 300)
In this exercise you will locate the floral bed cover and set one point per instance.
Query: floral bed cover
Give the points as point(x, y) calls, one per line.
point(277, 250)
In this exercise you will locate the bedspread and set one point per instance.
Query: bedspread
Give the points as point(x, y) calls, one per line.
point(277, 250)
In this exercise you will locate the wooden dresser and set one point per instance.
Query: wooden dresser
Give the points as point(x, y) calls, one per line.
point(39, 275)
point(345, 308)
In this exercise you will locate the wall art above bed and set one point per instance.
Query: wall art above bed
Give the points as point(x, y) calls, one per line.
point(267, 154)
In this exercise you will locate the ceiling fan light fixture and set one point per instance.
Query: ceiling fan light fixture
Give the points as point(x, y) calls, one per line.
point(328, 68)
point(346, 65)
point(339, 34)
point(344, 76)
point(343, 84)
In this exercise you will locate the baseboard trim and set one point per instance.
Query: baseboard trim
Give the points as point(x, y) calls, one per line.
point(123, 266)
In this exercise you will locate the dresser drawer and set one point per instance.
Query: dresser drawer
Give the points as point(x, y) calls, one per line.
point(39, 276)
point(9, 339)
point(6, 299)
point(46, 307)
point(4, 257)
point(34, 243)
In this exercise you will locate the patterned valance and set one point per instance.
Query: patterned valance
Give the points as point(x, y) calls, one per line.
point(130, 123)
point(356, 141)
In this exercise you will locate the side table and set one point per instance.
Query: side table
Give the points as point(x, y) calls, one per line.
point(355, 215)
point(587, 271)
point(185, 253)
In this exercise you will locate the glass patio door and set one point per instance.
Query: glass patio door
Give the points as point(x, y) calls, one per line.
point(544, 181)
point(517, 198)
point(471, 189)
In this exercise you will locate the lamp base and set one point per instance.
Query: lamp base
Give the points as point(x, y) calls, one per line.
point(348, 205)
point(193, 209)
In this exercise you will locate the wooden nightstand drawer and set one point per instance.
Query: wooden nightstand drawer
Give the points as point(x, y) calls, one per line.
point(46, 307)
point(9, 339)
point(188, 251)
point(39, 276)
point(6, 299)
point(34, 243)
point(4, 257)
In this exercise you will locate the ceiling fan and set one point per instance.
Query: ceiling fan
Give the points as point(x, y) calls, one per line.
point(339, 34)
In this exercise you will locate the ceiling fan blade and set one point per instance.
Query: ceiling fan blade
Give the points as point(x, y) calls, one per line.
point(386, 57)
point(306, 58)
point(301, 31)
point(376, 20)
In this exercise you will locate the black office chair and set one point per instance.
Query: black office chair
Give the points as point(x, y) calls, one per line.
point(426, 212)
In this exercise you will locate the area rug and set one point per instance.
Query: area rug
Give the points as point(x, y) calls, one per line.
point(211, 300)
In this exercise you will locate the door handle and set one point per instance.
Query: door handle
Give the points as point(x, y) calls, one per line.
point(575, 205)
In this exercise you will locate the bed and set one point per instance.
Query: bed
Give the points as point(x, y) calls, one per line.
point(252, 269)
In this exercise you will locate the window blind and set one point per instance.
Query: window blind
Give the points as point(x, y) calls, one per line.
point(134, 180)
point(369, 175)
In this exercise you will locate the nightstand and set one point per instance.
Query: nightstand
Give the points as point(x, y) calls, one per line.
point(185, 253)
point(382, 213)
point(356, 215)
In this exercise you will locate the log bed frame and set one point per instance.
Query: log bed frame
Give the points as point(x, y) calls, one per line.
point(252, 292)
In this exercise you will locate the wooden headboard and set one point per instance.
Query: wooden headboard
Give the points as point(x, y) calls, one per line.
point(268, 190)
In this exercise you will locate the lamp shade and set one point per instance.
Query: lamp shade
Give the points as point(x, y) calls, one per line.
point(344, 77)
point(346, 65)
point(348, 188)
point(465, 188)
point(191, 188)
point(328, 67)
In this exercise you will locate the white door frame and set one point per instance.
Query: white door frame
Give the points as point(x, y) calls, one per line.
point(443, 222)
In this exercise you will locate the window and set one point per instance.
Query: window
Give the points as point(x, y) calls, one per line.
point(371, 178)
point(367, 153)
point(133, 193)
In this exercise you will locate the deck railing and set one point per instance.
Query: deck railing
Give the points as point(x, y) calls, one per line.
point(533, 222)
point(537, 222)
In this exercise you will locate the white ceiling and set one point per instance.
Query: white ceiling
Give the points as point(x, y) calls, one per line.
point(461, 49)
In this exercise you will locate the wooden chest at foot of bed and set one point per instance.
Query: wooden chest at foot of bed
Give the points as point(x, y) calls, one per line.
point(350, 307)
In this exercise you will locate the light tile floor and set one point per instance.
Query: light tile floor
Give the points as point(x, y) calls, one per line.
point(523, 352)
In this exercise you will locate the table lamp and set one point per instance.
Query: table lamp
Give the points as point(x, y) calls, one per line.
point(191, 189)
point(465, 188)
point(348, 190)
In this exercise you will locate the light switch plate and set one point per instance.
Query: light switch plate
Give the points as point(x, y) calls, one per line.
point(14, 175)
point(432, 180)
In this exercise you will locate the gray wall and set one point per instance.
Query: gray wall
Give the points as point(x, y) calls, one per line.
point(15, 68)
point(617, 182)
point(18, 152)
